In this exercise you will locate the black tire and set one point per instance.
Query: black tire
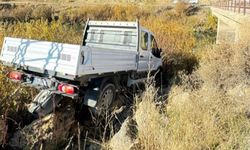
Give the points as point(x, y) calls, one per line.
point(106, 97)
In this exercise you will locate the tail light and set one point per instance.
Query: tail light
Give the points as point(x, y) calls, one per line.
point(68, 89)
point(15, 75)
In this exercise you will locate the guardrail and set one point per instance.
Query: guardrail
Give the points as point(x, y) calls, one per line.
point(238, 6)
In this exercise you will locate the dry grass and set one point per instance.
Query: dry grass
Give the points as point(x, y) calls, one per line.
point(214, 114)
point(43, 30)
point(150, 123)
point(244, 31)
point(180, 8)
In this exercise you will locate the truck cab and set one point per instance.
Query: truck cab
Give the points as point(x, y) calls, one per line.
point(125, 38)
point(149, 53)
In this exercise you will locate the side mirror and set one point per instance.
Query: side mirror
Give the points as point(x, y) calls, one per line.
point(156, 52)
point(160, 50)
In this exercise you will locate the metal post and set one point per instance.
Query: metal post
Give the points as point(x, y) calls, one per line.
point(239, 6)
point(248, 4)
point(245, 6)
point(231, 5)
point(234, 5)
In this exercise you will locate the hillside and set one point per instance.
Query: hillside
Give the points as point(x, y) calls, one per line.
point(205, 104)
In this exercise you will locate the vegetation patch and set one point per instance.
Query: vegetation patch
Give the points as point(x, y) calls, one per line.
point(209, 110)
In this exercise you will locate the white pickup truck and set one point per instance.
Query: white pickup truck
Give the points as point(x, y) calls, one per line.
point(111, 55)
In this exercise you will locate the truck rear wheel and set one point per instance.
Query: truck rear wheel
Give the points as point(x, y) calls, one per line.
point(106, 97)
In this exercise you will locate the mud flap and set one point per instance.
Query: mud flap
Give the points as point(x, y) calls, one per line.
point(91, 97)
point(44, 103)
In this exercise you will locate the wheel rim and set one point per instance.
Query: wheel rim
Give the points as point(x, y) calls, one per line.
point(107, 98)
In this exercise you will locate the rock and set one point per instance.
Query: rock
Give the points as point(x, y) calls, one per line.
point(30, 135)
point(45, 132)
point(124, 139)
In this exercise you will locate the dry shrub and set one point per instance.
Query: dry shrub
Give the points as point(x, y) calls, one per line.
point(244, 31)
point(177, 41)
point(120, 13)
point(106, 12)
point(207, 119)
point(213, 115)
point(150, 123)
point(26, 13)
point(224, 66)
point(21, 13)
point(180, 8)
point(11, 98)
point(81, 14)
point(123, 138)
point(168, 31)
point(43, 12)
point(128, 13)
point(205, 30)
point(43, 30)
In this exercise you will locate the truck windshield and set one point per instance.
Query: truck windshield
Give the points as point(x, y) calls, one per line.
point(113, 38)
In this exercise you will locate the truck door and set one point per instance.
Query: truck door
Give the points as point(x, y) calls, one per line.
point(143, 64)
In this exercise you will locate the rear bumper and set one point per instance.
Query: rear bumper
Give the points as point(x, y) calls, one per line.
point(42, 83)
point(72, 96)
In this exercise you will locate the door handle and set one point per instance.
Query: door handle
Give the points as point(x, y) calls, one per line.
point(141, 56)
